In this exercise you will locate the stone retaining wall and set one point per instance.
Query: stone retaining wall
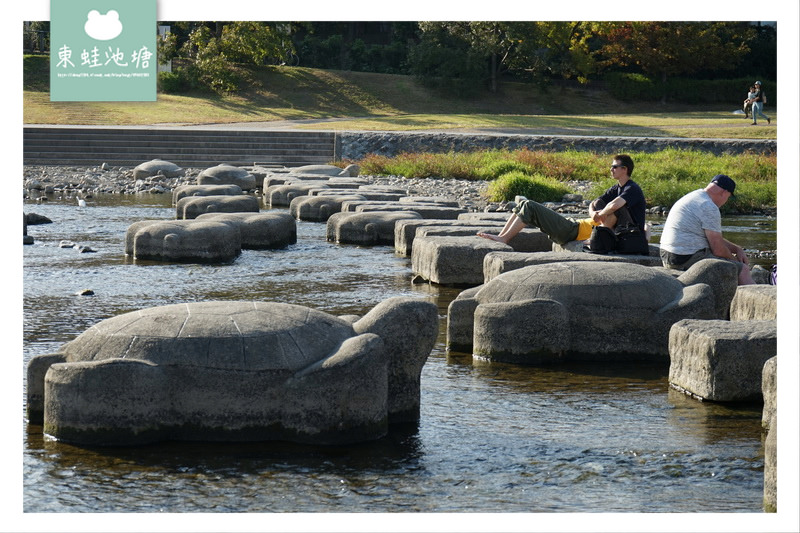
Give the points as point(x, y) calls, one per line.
point(355, 145)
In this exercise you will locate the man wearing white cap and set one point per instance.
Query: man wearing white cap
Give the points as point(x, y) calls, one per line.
point(693, 230)
point(758, 103)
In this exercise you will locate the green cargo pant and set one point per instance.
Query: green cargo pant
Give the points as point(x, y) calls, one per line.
point(559, 228)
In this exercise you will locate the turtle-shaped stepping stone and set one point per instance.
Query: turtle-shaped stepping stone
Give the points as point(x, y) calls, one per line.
point(155, 167)
point(235, 371)
point(225, 174)
point(584, 310)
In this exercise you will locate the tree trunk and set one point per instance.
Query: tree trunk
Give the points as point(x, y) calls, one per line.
point(493, 73)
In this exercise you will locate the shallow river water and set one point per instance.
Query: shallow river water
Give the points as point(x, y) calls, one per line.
point(492, 437)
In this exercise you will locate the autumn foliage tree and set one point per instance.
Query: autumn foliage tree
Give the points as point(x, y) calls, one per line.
point(665, 49)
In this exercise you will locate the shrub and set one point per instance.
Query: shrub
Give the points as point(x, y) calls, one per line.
point(172, 82)
point(537, 187)
point(495, 169)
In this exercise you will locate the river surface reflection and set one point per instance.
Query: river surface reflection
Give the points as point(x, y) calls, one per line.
point(492, 437)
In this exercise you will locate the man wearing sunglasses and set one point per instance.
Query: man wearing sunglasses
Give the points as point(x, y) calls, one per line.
point(620, 205)
point(626, 194)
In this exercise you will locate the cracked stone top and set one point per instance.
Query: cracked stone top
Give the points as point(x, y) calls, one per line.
point(624, 286)
point(246, 336)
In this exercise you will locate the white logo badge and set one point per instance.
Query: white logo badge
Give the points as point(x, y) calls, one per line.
point(103, 27)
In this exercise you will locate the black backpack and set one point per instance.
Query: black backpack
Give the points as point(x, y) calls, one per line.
point(602, 241)
point(629, 240)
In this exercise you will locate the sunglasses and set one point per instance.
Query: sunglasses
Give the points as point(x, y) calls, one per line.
point(617, 166)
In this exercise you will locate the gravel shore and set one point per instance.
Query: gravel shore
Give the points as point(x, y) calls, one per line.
point(76, 182)
point(70, 181)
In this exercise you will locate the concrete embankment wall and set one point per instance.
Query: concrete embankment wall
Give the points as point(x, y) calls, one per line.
point(205, 147)
point(355, 145)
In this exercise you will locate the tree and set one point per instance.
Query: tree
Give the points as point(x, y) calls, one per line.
point(445, 60)
point(535, 50)
point(489, 41)
point(551, 49)
point(214, 48)
point(665, 49)
point(255, 43)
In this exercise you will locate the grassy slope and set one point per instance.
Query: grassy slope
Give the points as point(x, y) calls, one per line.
point(370, 101)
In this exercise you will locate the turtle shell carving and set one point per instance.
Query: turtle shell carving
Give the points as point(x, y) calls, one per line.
point(236, 371)
point(585, 310)
point(230, 335)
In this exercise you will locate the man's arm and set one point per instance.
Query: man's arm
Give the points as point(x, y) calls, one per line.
point(724, 248)
point(600, 214)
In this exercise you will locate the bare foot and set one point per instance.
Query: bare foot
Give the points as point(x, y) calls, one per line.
point(491, 237)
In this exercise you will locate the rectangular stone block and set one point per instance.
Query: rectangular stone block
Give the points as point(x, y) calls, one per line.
point(405, 230)
point(755, 302)
point(720, 360)
point(452, 260)
point(769, 389)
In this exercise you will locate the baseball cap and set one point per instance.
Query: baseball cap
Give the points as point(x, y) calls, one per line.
point(757, 83)
point(725, 182)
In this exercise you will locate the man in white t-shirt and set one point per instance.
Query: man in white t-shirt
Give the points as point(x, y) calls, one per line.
point(693, 230)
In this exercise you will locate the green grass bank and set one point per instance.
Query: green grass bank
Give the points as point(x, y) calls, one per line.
point(664, 176)
point(347, 100)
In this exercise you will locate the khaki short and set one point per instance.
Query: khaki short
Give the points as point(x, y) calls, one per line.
point(684, 262)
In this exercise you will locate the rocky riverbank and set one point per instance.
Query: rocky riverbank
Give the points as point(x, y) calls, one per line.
point(68, 181)
point(43, 181)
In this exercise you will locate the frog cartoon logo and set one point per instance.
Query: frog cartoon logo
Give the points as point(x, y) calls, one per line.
point(103, 27)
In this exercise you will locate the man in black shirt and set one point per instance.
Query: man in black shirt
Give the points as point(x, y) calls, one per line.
point(626, 193)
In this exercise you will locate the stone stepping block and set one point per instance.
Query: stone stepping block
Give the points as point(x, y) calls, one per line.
point(236, 371)
point(260, 231)
point(348, 182)
point(272, 180)
point(424, 210)
point(769, 390)
point(498, 336)
point(386, 189)
point(325, 170)
point(281, 178)
point(194, 206)
point(155, 167)
point(258, 172)
point(495, 217)
point(771, 468)
point(225, 174)
point(204, 190)
point(526, 240)
point(405, 231)
point(319, 208)
point(366, 229)
point(498, 262)
point(612, 314)
point(443, 201)
point(331, 188)
point(190, 241)
point(755, 302)
point(453, 261)
point(282, 195)
point(720, 360)
point(364, 194)
point(577, 246)
point(289, 179)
